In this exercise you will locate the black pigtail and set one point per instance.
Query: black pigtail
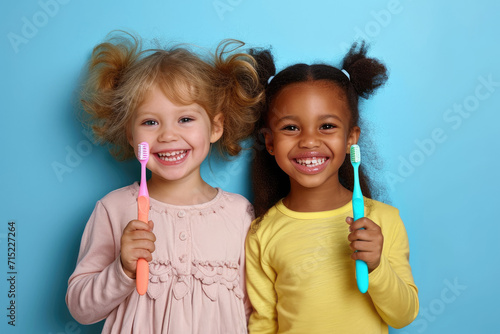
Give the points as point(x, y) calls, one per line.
point(265, 64)
point(366, 74)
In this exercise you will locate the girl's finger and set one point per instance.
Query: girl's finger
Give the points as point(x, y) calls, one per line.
point(138, 225)
point(361, 246)
point(142, 254)
point(144, 245)
point(365, 223)
point(358, 235)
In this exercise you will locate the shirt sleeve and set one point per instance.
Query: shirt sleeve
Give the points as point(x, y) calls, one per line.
point(247, 220)
point(98, 284)
point(260, 285)
point(392, 288)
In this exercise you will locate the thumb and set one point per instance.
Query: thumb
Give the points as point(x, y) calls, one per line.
point(349, 220)
point(151, 225)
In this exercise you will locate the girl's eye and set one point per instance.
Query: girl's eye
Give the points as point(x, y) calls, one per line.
point(290, 128)
point(328, 126)
point(185, 120)
point(150, 122)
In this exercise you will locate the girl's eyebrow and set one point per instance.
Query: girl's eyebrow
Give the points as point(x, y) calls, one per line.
point(275, 121)
point(295, 118)
point(178, 109)
point(286, 118)
point(193, 107)
point(327, 116)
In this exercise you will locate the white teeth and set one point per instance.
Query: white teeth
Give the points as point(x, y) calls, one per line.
point(172, 155)
point(311, 162)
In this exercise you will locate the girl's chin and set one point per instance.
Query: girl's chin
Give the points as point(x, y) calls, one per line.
point(174, 174)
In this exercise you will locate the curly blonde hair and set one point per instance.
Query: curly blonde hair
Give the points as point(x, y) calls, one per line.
point(121, 73)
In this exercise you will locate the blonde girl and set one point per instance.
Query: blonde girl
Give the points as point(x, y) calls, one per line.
point(182, 104)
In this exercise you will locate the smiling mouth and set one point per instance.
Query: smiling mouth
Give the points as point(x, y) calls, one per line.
point(172, 156)
point(311, 162)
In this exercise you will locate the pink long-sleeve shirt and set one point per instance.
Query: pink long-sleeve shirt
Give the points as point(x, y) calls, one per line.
point(196, 281)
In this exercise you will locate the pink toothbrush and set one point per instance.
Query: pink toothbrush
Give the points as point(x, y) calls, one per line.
point(142, 273)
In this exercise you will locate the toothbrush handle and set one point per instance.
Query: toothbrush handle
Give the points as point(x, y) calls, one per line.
point(143, 208)
point(362, 275)
point(142, 272)
point(361, 266)
point(358, 208)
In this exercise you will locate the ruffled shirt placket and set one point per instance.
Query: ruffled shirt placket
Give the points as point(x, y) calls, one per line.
point(183, 253)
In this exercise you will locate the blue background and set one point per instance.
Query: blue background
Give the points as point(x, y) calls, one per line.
point(435, 126)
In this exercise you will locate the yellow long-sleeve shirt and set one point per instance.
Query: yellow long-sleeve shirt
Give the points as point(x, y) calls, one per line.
point(301, 279)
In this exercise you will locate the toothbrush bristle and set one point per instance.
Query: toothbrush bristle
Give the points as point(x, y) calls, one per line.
point(355, 154)
point(143, 151)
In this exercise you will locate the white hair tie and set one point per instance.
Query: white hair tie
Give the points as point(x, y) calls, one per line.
point(346, 74)
point(270, 79)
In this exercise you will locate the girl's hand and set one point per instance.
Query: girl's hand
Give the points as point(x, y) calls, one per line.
point(366, 244)
point(138, 241)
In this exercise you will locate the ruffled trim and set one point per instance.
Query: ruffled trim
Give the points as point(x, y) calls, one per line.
point(211, 274)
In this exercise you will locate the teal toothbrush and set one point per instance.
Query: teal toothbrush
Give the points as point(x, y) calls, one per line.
point(358, 208)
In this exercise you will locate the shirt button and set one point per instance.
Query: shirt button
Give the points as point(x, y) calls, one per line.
point(181, 214)
point(183, 236)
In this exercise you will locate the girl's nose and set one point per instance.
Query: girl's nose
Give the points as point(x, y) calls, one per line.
point(309, 139)
point(167, 134)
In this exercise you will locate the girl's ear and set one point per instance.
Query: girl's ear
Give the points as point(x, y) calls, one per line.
point(352, 138)
point(268, 137)
point(217, 128)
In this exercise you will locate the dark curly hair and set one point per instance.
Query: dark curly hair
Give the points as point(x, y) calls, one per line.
point(269, 182)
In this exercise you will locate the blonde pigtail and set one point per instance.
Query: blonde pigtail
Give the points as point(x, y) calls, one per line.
point(237, 94)
point(100, 96)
